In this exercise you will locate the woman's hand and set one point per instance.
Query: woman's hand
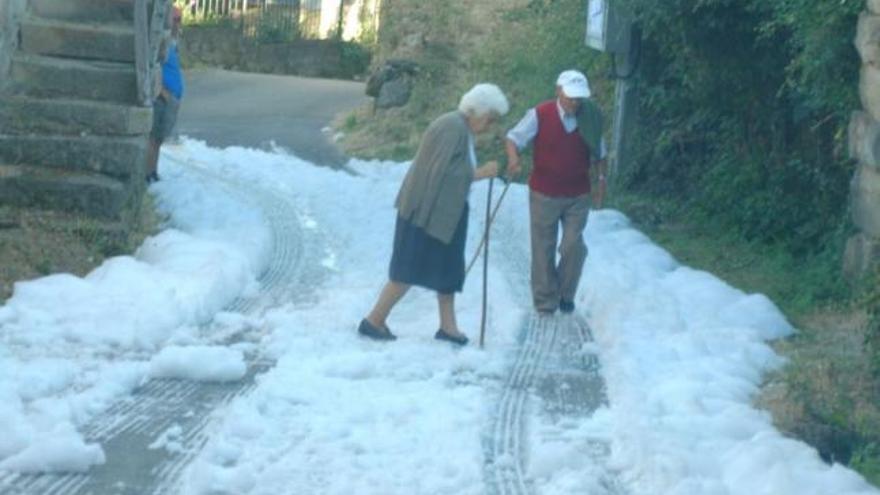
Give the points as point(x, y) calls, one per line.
point(489, 169)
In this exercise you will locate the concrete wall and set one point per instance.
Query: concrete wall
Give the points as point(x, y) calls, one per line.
point(863, 249)
point(225, 48)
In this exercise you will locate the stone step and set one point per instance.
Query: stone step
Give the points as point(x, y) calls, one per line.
point(51, 77)
point(120, 11)
point(120, 157)
point(95, 195)
point(24, 115)
point(113, 42)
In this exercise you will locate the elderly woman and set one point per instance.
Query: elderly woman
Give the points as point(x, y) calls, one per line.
point(432, 212)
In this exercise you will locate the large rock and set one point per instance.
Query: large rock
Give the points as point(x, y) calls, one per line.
point(866, 200)
point(862, 256)
point(23, 115)
point(78, 40)
point(869, 89)
point(868, 38)
point(394, 93)
point(391, 84)
point(874, 6)
point(389, 71)
point(864, 140)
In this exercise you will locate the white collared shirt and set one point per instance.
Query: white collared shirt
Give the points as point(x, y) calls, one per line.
point(526, 129)
point(472, 152)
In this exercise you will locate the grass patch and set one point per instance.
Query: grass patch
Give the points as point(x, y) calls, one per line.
point(38, 243)
point(519, 45)
point(867, 462)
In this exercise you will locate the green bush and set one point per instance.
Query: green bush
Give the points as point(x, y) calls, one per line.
point(355, 58)
point(744, 111)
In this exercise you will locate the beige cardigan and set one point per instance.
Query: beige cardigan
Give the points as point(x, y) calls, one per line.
point(436, 186)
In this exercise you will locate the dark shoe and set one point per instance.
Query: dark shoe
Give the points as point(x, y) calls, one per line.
point(460, 340)
point(566, 306)
point(152, 177)
point(368, 330)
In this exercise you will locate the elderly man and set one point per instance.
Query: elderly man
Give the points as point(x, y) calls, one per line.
point(567, 135)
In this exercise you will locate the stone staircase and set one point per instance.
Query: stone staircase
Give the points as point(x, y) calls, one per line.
point(73, 136)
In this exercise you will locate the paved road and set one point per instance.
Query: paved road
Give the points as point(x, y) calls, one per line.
point(227, 108)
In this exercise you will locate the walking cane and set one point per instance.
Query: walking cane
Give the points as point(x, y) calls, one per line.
point(486, 260)
point(491, 220)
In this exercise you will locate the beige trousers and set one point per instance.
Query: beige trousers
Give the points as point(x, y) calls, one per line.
point(552, 281)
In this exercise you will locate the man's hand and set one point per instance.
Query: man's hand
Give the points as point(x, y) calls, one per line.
point(513, 166)
point(513, 169)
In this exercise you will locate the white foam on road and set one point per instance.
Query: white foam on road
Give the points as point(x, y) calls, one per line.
point(199, 363)
point(683, 354)
point(70, 346)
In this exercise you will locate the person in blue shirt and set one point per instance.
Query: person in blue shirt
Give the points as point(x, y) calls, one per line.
point(167, 104)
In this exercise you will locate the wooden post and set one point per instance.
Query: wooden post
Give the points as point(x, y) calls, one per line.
point(142, 53)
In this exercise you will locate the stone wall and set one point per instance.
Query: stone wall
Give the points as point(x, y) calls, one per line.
point(224, 47)
point(863, 249)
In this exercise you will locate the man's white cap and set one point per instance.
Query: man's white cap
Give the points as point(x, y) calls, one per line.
point(574, 84)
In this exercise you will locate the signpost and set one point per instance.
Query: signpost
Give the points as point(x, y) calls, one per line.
point(609, 29)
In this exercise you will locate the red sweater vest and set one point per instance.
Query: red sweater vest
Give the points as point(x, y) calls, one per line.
point(561, 159)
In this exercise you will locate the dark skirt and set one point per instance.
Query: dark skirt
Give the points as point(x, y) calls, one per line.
point(419, 259)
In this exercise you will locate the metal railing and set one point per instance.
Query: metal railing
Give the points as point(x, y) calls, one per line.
point(280, 20)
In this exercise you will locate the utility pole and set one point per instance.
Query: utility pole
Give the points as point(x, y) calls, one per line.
point(341, 24)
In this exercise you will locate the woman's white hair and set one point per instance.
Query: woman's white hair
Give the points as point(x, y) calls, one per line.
point(482, 99)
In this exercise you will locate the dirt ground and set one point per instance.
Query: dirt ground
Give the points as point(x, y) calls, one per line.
point(38, 243)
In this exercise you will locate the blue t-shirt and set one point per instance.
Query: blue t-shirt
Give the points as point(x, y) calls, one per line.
point(172, 77)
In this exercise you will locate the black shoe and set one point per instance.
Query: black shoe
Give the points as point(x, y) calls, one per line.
point(566, 306)
point(368, 330)
point(460, 340)
point(152, 177)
